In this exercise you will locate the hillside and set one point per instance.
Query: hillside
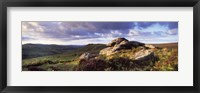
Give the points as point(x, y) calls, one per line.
point(168, 45)
point(118, 55)
point(38, 50)
point(69, 57)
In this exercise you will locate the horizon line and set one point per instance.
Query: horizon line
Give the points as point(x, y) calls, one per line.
point(92, 43)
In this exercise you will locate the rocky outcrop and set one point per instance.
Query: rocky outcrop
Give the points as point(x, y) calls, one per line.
point(128, 54)
point(117, 41)
point(144, 55)
point(136, 44)
point(149, 46)
point(107, 51)
point(119, 44)
point(87, 56)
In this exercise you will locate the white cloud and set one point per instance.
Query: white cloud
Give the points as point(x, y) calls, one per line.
point(115, 32)
point(32, 26)
point(133, 32)
point(155, 28)
point(172, 31)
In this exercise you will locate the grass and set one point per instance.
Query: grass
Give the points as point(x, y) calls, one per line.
point(61, 62)
point(69, 66)
point(168, 59)
point(59, 58)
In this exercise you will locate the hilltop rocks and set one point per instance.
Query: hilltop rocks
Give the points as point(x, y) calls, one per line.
point(149, 46)
point(87, 56)
point(107, 51)
point(136, 44)
point(117, 41)
point(119, 44)
point(122, 43)
point(144, 55)
point(144, 51)
point(120, 54)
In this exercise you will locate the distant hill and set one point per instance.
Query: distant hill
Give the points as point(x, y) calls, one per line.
point(92, 48)
point(38, 50)
point(168, 45)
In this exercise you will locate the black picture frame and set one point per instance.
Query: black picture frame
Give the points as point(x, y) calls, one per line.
point(99, 3)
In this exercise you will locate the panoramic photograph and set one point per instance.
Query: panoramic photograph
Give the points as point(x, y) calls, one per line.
point(99, 46)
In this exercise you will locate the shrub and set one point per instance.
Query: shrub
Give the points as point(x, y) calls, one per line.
point(91, 65)
point(168, 60)
point(119, 64)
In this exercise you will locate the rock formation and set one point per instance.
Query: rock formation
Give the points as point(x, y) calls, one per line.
point(144, 52)
point(119, 44)
point(149, 46)
point(121, 52)
point(87, 56)
point(144, 55)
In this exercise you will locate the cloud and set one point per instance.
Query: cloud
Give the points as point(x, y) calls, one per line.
point(73, 29)
point(67, 32)
point(170, 25)
point(133, 32)
point(172, 31)
point(156, 29)
point(27, 38)
point(32, 27)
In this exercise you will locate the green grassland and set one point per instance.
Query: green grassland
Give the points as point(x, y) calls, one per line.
point(38, 50)
point(61, 62)
point(166, 60)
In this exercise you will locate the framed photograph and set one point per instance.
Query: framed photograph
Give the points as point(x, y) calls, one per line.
point(133, 46)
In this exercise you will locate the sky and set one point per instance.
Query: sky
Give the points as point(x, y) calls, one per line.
point(82, 33)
